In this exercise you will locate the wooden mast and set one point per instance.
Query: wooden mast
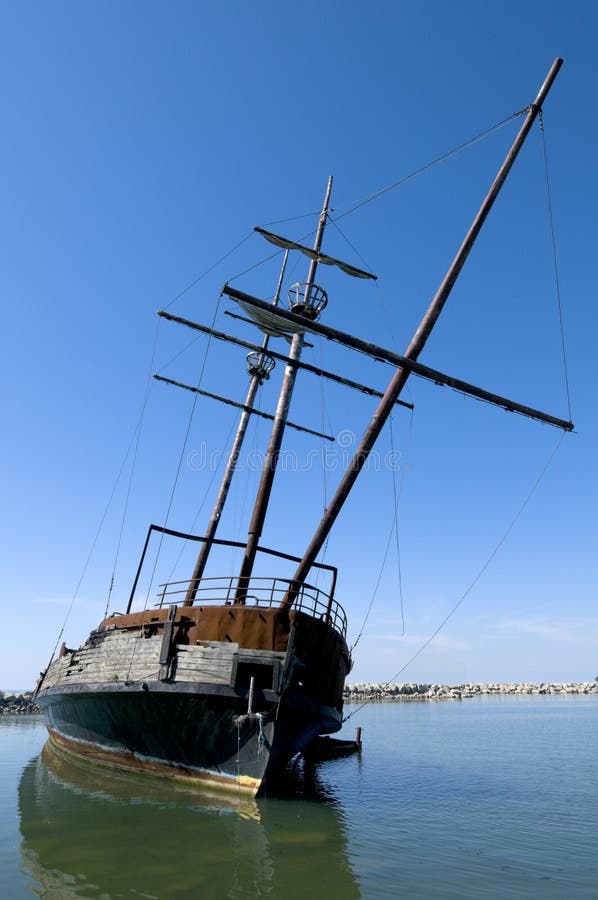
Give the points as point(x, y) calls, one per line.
point(414, 349)
point(280, 419)
point(256, 379)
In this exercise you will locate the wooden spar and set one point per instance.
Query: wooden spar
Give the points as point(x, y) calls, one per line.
point(415, 347)
point(411, 365)
point(279, 241)
point(233, 457)
point(316, 370)
point(247, 408)
point(273, 451)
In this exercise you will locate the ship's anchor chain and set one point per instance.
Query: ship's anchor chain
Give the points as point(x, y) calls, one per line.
point(250, 715)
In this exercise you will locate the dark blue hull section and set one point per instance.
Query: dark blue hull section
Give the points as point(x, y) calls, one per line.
point(192, 733)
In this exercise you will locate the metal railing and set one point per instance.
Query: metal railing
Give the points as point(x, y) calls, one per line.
point(258, 591)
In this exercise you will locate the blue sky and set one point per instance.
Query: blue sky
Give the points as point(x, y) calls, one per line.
point(142, 141)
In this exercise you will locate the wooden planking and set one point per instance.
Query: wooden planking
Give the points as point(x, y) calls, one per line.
point(212, 665)
point(121, 656)
point(111, 656)
point(125, 656)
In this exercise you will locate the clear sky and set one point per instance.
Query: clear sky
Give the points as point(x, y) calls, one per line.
point(141, 143)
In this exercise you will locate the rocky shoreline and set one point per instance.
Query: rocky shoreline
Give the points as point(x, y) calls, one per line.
point(22, 702)
point(17, 703)
point(412, 691)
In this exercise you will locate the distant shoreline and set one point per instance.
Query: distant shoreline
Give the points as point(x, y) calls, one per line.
point(412, 691)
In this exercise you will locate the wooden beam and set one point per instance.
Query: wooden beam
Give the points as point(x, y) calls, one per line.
point(249, 409)
point(404, 362)
point(331, 376)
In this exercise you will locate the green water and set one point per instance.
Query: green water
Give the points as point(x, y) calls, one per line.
point(488, 798)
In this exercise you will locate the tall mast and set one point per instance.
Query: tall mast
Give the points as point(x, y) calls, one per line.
point(310, 300)
point(415, 347)
point(259, 366)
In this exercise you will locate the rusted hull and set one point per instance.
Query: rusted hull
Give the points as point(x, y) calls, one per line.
point(127, 761)
point(187, 735)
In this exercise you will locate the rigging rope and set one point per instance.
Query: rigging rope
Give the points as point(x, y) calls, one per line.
point(394, 528)
point(396, 521)
point(351, 245)
point(201, 505)
point(207, 272)
point(176, 478)
point(292, 219)
point(379, 193)
point(439, 159)
point(554, 260)
point(479, 574)
point(179, 353)
point(139, 429)
point(255, 427)
point(324, 417)
point(103, 518)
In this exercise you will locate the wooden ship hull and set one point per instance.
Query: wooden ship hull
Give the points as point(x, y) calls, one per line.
point(216, 695)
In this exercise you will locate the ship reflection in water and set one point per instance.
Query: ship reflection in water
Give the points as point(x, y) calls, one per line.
point(90, 833)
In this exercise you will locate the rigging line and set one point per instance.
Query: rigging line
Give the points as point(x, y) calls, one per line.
point(352, 246)
point(481, 571)
point(92, 548)
point(375, 591)
point(139, 429)
point(323, 415)
point(172, 359)
point(439, 159)
point(100, 526)
point(266, 259)
point(396, 497)
point(394, 527)
point(554, 259)
point(207, 272)
point(202, 504)
point(291, 219)
point(175, 483)
point(254, 429)
point(323, 456)
point(359, 203)
point(191, 413)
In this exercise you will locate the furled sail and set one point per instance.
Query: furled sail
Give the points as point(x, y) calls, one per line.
point(287, 244)
point(270, 323)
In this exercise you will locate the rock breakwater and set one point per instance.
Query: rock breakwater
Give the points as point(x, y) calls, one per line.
point(17, 703)
point(412, 691)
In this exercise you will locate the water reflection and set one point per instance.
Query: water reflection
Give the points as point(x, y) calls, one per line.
point(90, 833)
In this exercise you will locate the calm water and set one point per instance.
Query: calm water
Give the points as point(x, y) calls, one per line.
point(488, 798)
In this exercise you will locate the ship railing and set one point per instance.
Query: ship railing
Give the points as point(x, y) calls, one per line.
point(260, 591)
